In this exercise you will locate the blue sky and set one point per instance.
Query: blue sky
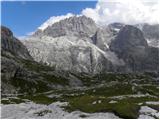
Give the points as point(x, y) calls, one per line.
point(25, 17)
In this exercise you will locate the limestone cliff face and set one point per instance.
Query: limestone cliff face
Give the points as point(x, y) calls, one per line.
point(10, 44)
point(78, 44)
point(19, 73)
point(131, 46)
point(80, 26)
point(151, 33)
point(12, 51)
point(82, 48)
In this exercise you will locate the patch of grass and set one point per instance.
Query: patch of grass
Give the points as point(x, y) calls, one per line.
point(139, 99)
point(87, 80)
point(30, 87)
point(35, 66)
point(118, 89)
point(12, 101)
point(44, 70)
point(112, 77)
point(90, 80)
point(40, 99)
point(151, 89)
point(126, 110)
point(86, 104)
point(5, 102)
point(56, 79)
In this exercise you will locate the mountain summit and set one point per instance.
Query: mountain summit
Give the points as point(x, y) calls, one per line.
point(70, 26)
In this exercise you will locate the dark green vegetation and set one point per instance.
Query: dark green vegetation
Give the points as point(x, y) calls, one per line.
point(126, 105)
point(46, 72)
point(39, 99)
point(12, 100)
point(122, 94)
point(31, 77)
point(97, 104)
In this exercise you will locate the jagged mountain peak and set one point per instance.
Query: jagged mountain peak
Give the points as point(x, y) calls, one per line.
point(79, 25)
point(80, 19)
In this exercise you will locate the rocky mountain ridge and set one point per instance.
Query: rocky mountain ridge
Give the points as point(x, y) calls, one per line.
point(78, 44)
point(21, 74)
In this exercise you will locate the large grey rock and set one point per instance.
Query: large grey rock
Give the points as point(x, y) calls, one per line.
point(129, 39)
point(10, 44)
point(131, 46)
point(151, 33)
point(12, 51)
point(103, 37)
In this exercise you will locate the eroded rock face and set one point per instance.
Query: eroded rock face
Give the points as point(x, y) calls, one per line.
point(131, 46)
point(12, 50)
point(129, 39)
point(82, 48)
point(79, 26)
point(151, 33)
point(21, 74)
point(9, 44)
point(17, 74)
point(71, 53)
point(103, 37)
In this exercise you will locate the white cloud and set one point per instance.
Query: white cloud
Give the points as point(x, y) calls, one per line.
point(30, 33)
point(125, 11)
point(21, 37)
point(53, 20)
point(109, 11)
point(25, 36)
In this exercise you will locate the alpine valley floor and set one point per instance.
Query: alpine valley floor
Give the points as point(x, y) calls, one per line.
point(117, 96)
